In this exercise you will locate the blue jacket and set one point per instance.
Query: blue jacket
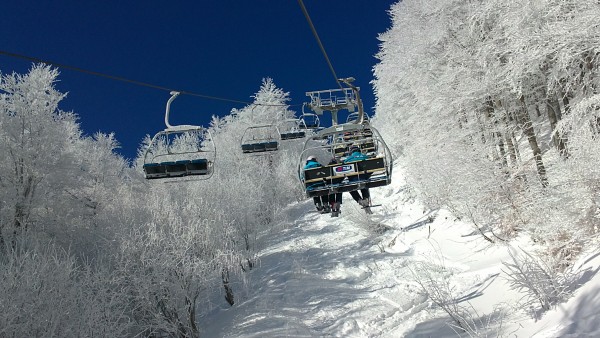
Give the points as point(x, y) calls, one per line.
point(312, 164)
point(355, 157)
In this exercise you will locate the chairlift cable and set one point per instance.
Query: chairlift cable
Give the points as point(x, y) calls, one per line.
point(316, 35)
point(135, 82)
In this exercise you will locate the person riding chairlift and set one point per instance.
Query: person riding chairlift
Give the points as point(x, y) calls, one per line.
point(335, 199)
point(364, 200)
point(321, 202)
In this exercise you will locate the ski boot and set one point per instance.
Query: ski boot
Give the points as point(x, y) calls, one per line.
point(335, 209)
point(319, 207)
point(366, 204)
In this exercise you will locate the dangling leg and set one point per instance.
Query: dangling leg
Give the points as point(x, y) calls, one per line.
point(366, 197)
point(326, 207)
point(337, 202)
point(317, 202)
point(366, 201)
point(356, 196)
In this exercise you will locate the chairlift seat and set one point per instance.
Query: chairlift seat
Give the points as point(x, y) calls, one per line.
point(197, 167)
point(272, 145)
point(155, 170)
point(317, 174)
point(247, 148)
point(358, 135)
point(176, 169)
point(259, 147)
point(368, 146)
point(292, 135)
point(316, 189)
point(335, 178)
point(370, 165)
point(340, 150)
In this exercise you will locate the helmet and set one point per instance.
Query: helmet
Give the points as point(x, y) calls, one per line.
point(311, 158)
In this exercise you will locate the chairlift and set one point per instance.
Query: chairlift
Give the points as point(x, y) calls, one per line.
point(308, 120)
point(334, 100)
point(355, 117)
point(375, 171)
point(260, 139)
point(178, 151)
point(290, 130)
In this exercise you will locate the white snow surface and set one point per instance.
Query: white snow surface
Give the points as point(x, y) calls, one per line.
point(320, 276)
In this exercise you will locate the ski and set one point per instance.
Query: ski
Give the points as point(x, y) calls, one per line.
point(372, 206)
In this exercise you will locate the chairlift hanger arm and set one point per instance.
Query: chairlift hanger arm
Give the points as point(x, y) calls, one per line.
point(348, 81)
point(174, 94)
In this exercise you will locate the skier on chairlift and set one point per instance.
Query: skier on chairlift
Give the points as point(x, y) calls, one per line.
point(364, 201)
point(335, 199)
point(321, 202)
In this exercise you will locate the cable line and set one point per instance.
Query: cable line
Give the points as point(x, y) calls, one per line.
point(135, 82)
point(314, 31)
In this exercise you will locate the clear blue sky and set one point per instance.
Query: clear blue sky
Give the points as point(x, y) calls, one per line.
point(220, 48)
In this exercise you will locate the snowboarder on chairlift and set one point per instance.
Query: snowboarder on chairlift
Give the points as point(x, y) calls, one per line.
point(321, 202)
point(365, 200)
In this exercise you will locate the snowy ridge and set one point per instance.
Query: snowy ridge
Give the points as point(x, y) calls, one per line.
point(323, 276)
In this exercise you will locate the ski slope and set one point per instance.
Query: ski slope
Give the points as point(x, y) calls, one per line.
point(358, 276)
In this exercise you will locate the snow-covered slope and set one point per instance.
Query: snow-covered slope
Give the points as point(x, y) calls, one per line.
point(360, 276)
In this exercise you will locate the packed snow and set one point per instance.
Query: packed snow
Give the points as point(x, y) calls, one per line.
point(358, 276)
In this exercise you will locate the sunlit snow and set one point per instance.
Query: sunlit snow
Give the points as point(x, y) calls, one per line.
point(323, 276)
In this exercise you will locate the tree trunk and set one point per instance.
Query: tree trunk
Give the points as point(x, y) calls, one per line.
point(566, 105)
point(553, 111)
point(491, 123)
point(527, 126)
point(228, 290)
point(191, 304)
point(511, 149)
point(3, 249)
point(517, 152)
point(506, 142)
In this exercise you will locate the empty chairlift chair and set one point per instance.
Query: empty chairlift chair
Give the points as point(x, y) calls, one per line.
point(355, 116)
point(260, 139)
point(309, 121)
point(178, 151)
point(290, 130)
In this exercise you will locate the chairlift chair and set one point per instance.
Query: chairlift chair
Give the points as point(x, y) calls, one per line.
point(355, 116)
point(178, 151)
point(308, 120)
point(290, 130)
point(260, 139)
point(375, 171)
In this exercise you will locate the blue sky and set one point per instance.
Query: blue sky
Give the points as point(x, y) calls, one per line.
point(220, 48)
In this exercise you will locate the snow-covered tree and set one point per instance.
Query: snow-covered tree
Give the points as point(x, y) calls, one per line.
point(489, 101)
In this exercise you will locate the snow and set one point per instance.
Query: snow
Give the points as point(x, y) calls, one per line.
point(345, 277)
